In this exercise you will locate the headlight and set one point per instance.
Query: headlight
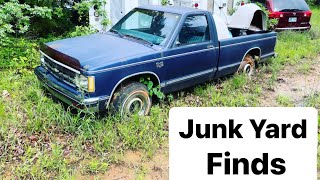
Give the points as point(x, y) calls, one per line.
point(85, 83)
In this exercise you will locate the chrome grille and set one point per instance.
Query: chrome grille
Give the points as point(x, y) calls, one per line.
point(60, 72)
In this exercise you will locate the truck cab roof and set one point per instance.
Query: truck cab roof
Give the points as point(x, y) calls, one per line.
point(172, 9)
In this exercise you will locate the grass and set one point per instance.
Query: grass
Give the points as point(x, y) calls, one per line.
point(41, 139)
point(305, 68)
point(64, 140)
point(283, 100)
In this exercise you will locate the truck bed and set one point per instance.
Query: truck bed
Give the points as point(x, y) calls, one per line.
point(232, 50)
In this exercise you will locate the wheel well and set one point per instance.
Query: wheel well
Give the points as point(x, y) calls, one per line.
point(254, 52)
point(136, 78)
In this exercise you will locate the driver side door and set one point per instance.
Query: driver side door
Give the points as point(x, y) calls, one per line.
point(192, 59)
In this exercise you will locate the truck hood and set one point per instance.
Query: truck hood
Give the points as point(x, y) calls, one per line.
point(90, 52)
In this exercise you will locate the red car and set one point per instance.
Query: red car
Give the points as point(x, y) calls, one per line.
point(292, 14)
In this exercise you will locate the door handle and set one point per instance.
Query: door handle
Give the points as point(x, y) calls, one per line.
point(210, 46)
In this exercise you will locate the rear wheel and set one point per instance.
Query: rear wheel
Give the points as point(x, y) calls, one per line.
point(132, 99)
point(247, 66)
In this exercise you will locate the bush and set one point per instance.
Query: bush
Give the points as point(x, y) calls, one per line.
point(33, 18)
point(15, 17)
point(18, 53)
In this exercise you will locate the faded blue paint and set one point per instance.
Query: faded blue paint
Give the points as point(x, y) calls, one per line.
point(100, 50)
point(111, 59)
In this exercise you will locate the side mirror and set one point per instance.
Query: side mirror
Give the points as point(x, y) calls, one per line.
point(178, 43)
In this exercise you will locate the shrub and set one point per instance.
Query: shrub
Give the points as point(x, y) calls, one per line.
point(18, 53)
point(15, 17)
point(33, 18)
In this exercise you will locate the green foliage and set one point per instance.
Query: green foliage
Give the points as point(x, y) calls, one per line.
point(232, 11)
point(311, 2)
point(18, 53)
point(284, 101)
point(84, 6)
point(244, 1)
point(41, 18)
point(43, 165)
point(164, 2)
point(81, 31)
point(95, 166)
point(313, 101)
point(15, 17)
point(271, 23)
point(152, 90)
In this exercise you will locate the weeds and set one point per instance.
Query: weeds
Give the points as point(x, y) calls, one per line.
point(313, 101)
point(305, 68)
point(95, 166)
point(46, 140)
point(284, 101)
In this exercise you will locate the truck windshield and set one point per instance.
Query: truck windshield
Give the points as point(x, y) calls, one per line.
point(154, 27)
point(290, 5)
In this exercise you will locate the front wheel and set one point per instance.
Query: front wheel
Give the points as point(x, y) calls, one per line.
point(132, 99)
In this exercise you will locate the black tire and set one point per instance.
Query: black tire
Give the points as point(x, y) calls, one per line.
point(132, 99)
point(247, 66)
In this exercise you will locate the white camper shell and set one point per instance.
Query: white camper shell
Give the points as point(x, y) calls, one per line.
point(249, 17)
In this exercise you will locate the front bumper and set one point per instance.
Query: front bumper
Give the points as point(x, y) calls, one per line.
point(68, 94)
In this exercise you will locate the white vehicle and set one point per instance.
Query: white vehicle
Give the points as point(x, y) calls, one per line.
point(216, 7)
point(116, 9)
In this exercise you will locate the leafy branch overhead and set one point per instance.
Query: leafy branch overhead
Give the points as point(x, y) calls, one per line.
point(99, 6)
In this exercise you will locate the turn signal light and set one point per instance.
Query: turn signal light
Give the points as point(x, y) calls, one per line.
point(91, 84)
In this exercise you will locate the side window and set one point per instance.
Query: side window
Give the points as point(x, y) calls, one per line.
point(194, 30)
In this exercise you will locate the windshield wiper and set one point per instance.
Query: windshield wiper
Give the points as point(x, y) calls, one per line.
point(290, 10)
point(140, 39)
point(117, 32)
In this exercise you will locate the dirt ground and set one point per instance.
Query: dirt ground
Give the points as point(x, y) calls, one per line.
point(295, 85)
point(135, 165)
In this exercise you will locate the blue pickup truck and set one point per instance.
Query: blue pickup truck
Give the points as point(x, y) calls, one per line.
point(173, 47)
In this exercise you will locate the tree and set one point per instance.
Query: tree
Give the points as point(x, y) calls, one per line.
point(15, 17)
